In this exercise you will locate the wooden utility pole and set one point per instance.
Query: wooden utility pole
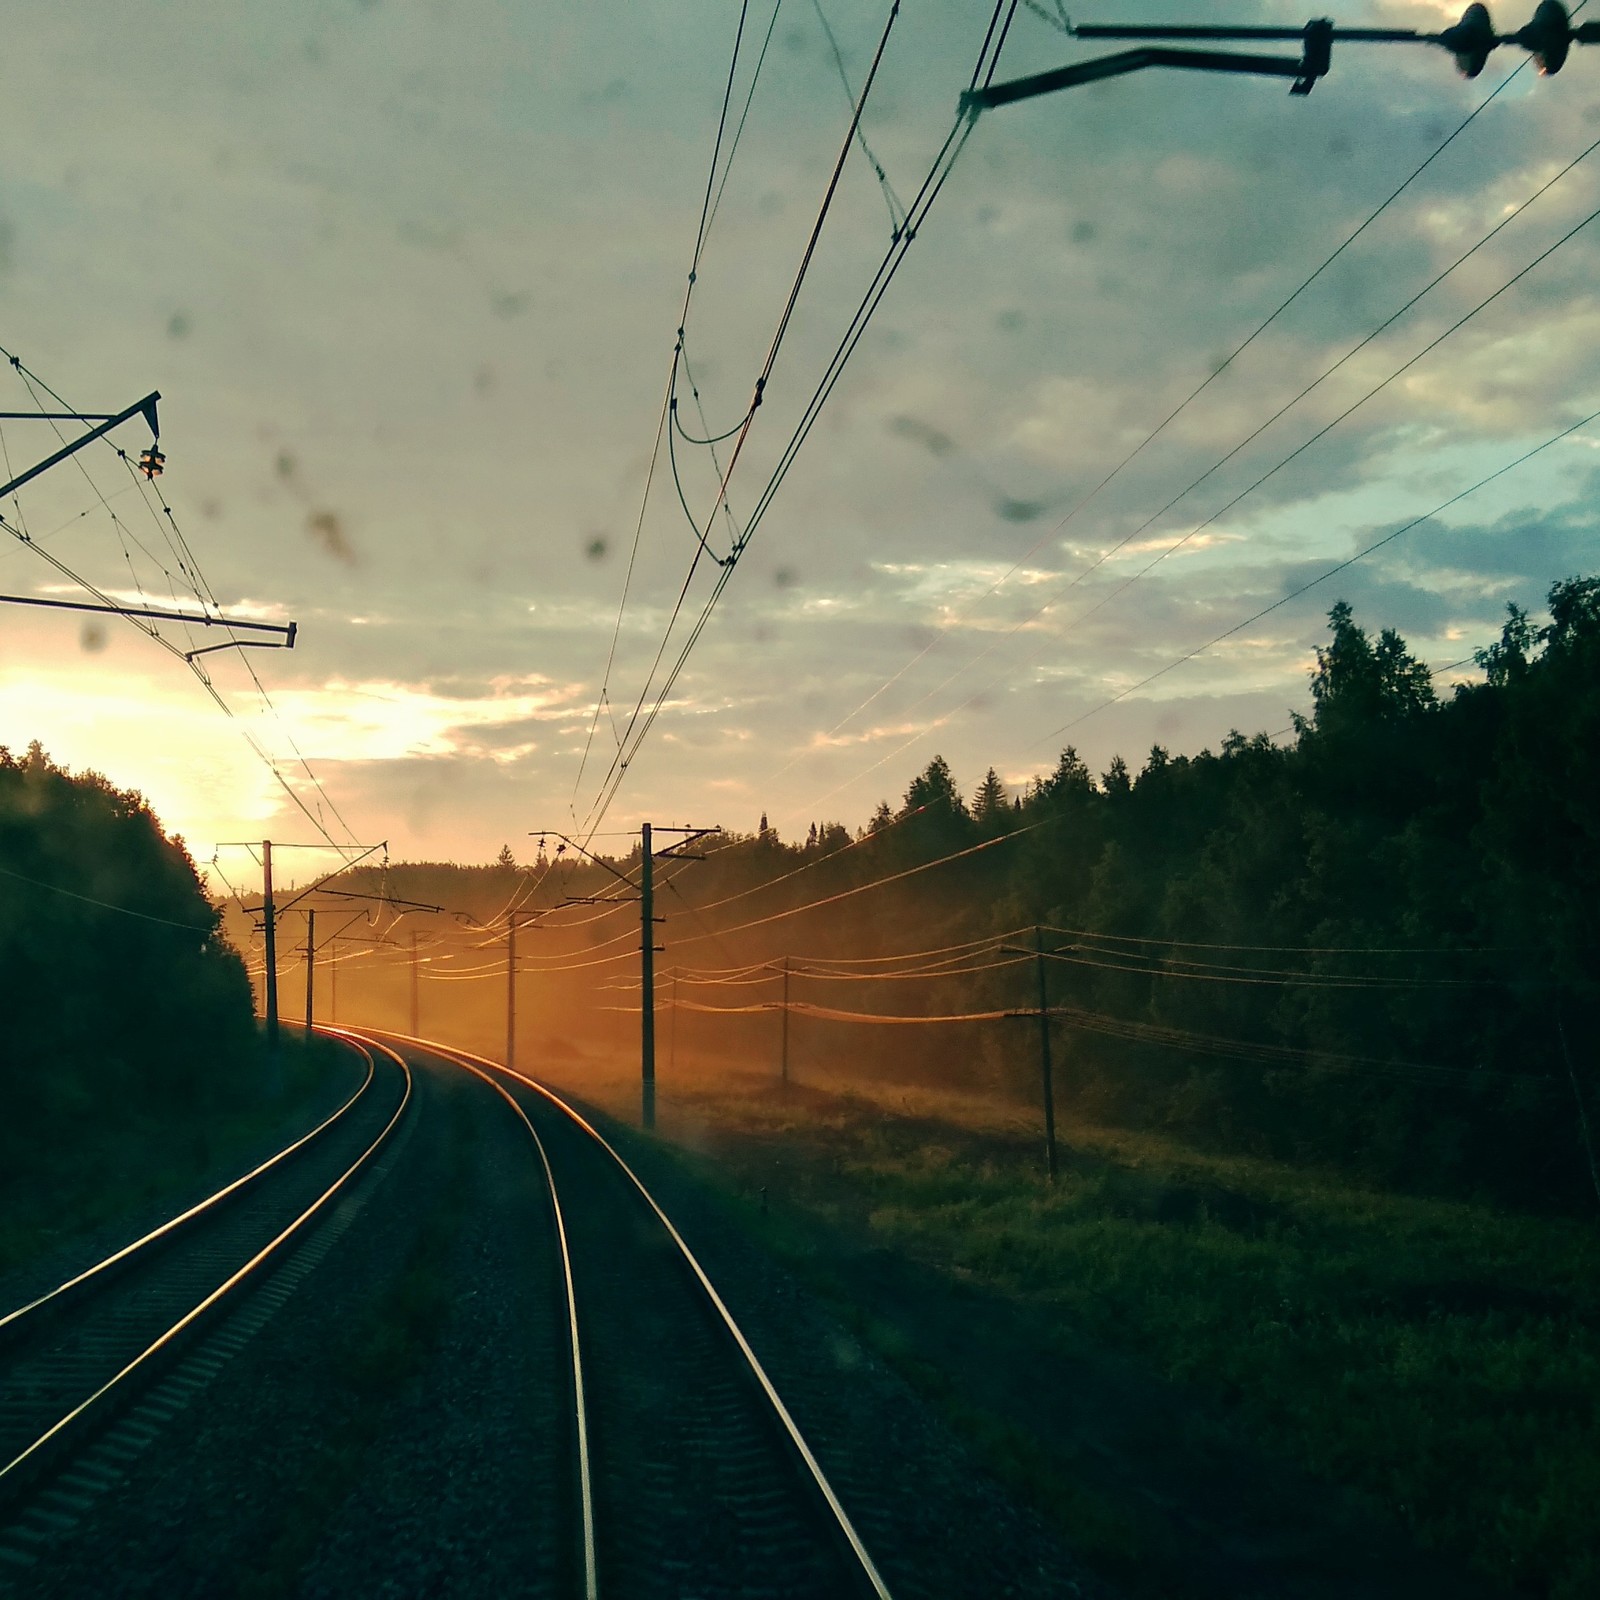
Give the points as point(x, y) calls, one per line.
point(311, 970)
point(269, 924)
point(1046, 1072)
point(511, 991)
point(415, 1030)
point(672, 1046)
point(647, 1006)
point(784, 1058)
point(1047, 1083)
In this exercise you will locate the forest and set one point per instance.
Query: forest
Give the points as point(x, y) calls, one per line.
point(121, 999)
point(1372, 946)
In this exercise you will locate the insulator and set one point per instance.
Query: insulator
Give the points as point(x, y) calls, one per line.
point(1548, 37)
point(151, 462)
point(1471, 40)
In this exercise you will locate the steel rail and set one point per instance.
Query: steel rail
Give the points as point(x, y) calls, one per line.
point(28, 1316)
point(591, 1587)
point(15, 1474)
point(843, 1524)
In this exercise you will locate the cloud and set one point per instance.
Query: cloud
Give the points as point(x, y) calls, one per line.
point(360, 240)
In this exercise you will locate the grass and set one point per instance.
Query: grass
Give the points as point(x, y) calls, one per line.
point(120, 1161)
point(1441, 1359)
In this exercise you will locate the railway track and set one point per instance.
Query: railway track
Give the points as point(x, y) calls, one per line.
point(688, 1475)
point(90, 1371)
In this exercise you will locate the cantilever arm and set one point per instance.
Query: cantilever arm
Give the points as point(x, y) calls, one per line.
point(285, 643)
point(147, 407)
point(1548, 38)
point(200, 619)
point(1125, 61)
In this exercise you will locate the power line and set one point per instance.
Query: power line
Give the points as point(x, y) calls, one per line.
point(106, 905)
point(1322, 577)
point(891, 199)
point(624, 754)
point(943, 165)
point(196, 584)
point(1249, 489)
point(701, 231)
point(1184, 404)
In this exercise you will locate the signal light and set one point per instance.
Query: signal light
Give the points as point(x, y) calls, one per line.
point(152, 461)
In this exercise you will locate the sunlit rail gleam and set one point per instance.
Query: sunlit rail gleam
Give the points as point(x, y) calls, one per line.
point(95, 1393)
point(830, 1510)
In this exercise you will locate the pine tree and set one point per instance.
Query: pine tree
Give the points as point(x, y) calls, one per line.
point(505, 860)
point(934, 789)
point(989, 807)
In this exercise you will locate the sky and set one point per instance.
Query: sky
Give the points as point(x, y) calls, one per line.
point(409, 277)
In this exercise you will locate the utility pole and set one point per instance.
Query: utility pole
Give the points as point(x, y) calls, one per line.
point(647, 941)
point(270, 926)
point(333, 984)
point(672, 1046)
point(647, 993)
point(1046, 1071)
point(311, 969)
point(1047, 1082)
point(511, 984)
point(784, 1058)
point(415, 1030)
point(511, 991)
point(270, 911)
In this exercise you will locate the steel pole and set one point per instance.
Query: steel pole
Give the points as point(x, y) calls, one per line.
point(511, 990)
point(269, 923)
point(311, 971)
point(647, 993)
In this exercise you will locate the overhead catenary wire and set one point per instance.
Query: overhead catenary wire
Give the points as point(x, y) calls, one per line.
point(1249, 489)
point(897, 209)
point(623, 756)
point(847, 346)
point(107, 905)
point(1183, 405)
point(195, 583)
point(701, 231)
point(932, 184)
point(1322, 577)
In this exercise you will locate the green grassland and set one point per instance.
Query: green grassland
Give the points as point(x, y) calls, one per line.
point(122, 1160)
point(1441, 1359)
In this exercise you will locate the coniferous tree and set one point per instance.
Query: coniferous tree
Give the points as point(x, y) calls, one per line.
point(990, 808)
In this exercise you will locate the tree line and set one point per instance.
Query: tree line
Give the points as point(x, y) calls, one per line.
point(119, 997)
point(1396, 905)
